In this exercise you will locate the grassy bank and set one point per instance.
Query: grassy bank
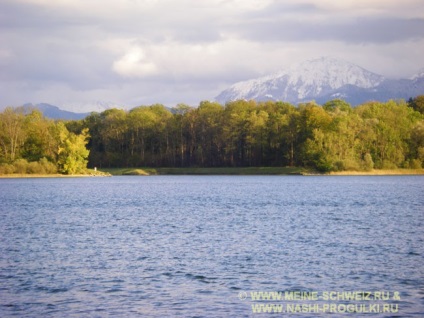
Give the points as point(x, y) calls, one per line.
point(206, 171)
point(375, 172)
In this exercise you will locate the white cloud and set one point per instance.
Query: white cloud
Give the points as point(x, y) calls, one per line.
point(135, 64)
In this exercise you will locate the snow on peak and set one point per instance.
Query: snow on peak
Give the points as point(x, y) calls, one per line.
point(420, 74)
point(308, 79)
point(333, 73)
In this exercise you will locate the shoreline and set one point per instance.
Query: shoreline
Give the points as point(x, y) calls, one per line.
point(90, 173)
point(243, 171)
point(288, 171)
point(19, 176)
point(15, 176)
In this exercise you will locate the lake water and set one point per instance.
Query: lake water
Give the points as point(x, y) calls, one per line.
point(198, 246)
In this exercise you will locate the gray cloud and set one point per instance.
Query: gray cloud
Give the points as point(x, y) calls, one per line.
point(184, 50)
point(359, 30)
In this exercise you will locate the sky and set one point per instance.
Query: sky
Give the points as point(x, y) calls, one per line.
point(73, 53)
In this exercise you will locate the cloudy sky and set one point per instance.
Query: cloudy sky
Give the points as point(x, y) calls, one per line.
point(137, 52)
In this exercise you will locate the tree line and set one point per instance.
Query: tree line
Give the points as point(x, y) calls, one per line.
point(329, 137)
point(333, 136)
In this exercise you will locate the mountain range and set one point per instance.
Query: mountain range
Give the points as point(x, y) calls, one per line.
point(321, 80)
point(324, 79)
point(54, 112)
point(71, 111)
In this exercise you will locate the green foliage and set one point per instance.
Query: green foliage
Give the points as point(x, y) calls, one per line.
point(34, 168)
point(30, 143)
point(337, 105)
point(417, 103)
point(387, 132)
point(6, 168)
point(334, 137)
point(415, 164)
point(416, 141)
point(21, 166)
point(246, 133)
point(12, 133)
point(368, 162)
point(72, 154)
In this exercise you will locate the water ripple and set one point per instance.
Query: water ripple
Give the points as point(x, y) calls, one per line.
point(188, 246)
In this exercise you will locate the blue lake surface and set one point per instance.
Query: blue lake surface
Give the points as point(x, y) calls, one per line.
point(197, 246)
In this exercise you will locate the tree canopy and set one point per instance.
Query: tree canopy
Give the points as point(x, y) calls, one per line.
point(241, 133)
point(331, 137)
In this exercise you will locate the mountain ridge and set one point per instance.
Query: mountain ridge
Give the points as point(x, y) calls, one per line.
point(321, 80)
point(54, 112)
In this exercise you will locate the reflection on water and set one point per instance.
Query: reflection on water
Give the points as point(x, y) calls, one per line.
point(191, 245)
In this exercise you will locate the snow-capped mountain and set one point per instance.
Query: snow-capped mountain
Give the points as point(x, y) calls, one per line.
point(321, 80)
point(418, 75)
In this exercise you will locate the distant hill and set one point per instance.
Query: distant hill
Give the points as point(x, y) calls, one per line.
point(322, 80)
point(55, 112)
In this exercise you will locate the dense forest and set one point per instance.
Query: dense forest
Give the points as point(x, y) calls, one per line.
point(329, 137)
